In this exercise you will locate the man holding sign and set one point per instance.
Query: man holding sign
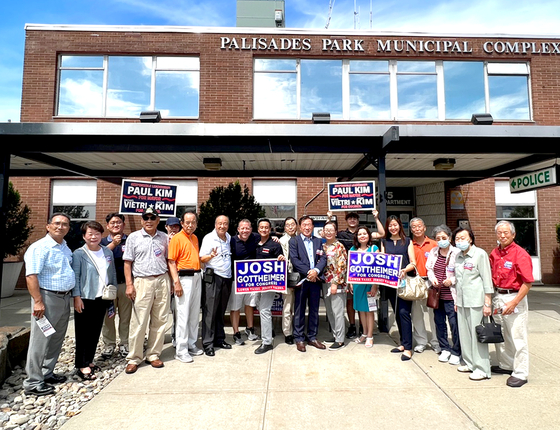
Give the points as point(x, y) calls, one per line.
point(266, 249)
point(309, 260)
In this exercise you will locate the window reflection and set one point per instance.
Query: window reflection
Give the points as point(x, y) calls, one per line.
point(81, 93)
point(509, 98)
point(464, 88)
point(276, 96)
point(321, 87)
point(417, 97)
point(128, 87)
point(177, 93)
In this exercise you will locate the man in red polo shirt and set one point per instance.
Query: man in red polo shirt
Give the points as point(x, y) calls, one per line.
point(422, 247)
point(512, 275)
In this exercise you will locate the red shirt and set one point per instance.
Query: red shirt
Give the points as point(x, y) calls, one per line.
point(421, 252)
point(511, 267)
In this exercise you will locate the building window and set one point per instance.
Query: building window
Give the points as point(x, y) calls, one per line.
point(124, 86)
point(278, 198)
point(390, 89)
point(520, 209)
point(187, 195)
point(77, 198)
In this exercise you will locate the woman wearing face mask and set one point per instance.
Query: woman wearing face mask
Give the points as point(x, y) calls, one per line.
point(474, 300)
point(397, 243)
point(441, 273)
point(363, 242)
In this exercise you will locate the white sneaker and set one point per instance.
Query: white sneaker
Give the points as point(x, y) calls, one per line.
point(464, 369)
point(477, 375)
point(184, 358)
point(108, 352)
point(419, 348)
point(454, 360)
point(444, 356)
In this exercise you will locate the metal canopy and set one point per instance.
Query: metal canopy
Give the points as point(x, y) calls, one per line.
point(116, 150)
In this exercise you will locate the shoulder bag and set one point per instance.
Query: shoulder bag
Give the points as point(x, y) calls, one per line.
point(109, 291)
point(415, 288)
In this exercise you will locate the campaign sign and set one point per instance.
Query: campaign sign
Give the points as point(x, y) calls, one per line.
point(137, 196)
point(374, 268)
point(345, 196)
point(277, 306)
point(258, 276)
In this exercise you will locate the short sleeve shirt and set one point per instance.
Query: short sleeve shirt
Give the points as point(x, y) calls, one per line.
point(221, 263)
point(511, 267)
point(148, 253)
point(421, 252)
point(183, 249)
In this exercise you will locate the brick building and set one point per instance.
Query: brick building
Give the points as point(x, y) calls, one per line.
point(400, 108)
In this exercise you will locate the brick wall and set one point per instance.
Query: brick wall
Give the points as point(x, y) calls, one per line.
point(549, 215)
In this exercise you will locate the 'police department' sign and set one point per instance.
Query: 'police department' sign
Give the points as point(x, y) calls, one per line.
point(539, 179)
point(137, 196)
point(257, 276)
point(374, 268)
point(345, 196)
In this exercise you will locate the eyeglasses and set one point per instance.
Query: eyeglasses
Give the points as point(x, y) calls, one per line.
point(149, 217)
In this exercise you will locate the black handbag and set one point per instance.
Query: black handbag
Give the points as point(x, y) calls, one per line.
point(489, 332)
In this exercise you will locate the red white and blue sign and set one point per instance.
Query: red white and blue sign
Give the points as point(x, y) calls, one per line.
point(259, 276)
point(351, 196)
point(374, 268)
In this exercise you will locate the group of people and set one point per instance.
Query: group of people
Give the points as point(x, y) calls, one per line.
point(154, 272)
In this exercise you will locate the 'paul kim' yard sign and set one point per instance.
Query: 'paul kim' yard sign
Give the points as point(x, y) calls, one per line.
point(351, 196)
point(137, 196)
point(257, 276)
point(374, 268)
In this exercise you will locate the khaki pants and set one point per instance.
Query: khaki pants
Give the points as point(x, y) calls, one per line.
point(513, 353)
point(149, 310)
point(124, 306)
point(288, 312)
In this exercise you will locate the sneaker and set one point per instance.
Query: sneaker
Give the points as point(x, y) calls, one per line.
point(195, 351)
point(108, 352)
point(237, 339)
point(336, 346)
point(477, 375)
point(454, 360)
point(351, 333)
point(123, 351)
point(250, 332)
point(419, 348)
point(184, 358)
point(464, 369)
point(444, 356)
point(436, 348)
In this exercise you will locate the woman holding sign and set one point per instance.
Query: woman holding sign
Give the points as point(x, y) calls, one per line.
point(397, 243)
point(364, 294)
point(334, 288)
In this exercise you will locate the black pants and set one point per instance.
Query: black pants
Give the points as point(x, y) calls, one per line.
point(215, 296)
point(87, 326)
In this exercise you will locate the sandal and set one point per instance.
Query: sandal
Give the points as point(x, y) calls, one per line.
point(369, 342)
point(94, 368)
point(90, 376)
point(361, 339)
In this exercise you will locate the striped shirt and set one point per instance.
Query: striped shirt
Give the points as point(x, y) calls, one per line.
point(52, 263)
point(148, 253)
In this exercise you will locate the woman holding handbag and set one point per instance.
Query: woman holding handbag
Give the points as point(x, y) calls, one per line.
point(473, 302)
point(95, 272)
point(363, 242)
point(397, 243)
point(440, 266)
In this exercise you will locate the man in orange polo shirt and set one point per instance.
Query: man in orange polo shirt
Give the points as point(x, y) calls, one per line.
point(422, 247)
point(184, 268)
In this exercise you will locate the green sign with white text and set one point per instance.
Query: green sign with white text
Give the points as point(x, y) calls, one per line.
point(530, 181)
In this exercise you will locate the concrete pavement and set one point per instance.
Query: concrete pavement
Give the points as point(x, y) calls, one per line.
point(354, 388)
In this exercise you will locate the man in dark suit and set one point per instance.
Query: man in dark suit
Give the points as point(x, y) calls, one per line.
point(308, 259)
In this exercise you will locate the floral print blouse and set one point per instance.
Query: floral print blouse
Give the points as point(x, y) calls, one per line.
point(337, 259)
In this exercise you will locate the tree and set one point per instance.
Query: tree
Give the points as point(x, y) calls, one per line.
point(232, 201)
point(18, 229)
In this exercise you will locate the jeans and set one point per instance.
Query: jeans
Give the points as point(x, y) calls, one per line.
point(447, 310)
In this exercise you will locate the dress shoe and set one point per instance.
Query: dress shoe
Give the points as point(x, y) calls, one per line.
point(301, 346)
point(289, 340)
point(405, 356)
point(209, 351)
point(397, 350)
point(157, 363)
point(263, 348)
point(223, 344)
point(515, 382)
point(498, 369)
point(316, 344)
point(40, 390)
point(55, 379)
point(131, 368)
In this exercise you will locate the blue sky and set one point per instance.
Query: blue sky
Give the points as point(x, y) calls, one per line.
point(538, 17)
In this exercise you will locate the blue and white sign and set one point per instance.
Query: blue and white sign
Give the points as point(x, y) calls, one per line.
point(351, 196)
point(257, 276)
point(374, 268)
point(137, 196)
